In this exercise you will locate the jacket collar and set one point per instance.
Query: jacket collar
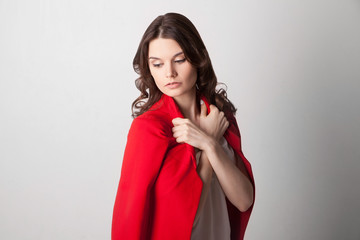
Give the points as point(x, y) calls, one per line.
point(168, 104)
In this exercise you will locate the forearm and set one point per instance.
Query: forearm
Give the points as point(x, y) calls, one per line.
point(205, 172)
point(235, 184)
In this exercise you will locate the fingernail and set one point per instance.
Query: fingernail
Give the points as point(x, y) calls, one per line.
point(201, 101)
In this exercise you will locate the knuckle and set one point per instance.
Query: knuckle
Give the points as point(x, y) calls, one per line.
point(213, 108)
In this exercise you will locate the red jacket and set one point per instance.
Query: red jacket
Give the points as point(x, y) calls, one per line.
point(159, 187)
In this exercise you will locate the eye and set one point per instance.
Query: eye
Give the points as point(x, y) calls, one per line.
point(180, 60)
point(157, 65)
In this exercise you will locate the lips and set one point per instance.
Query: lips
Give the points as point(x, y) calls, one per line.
point(173, 85)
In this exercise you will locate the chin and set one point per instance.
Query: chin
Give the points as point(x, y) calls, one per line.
point(177, 92)
point(173, 93)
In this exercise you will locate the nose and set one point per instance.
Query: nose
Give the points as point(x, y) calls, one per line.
point(170, 71)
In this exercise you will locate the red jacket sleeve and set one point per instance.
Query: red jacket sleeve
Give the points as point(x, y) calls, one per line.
point(238, 220)
point(145, 150)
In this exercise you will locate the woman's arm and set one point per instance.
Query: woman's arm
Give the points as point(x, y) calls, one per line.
point(235, 183)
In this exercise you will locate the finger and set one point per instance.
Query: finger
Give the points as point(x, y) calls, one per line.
point(225, 124)
point(182, 138)
point(176, 128)
point(203, 109)
point(224, 128)
point(177, 134)
point(177, 121)
point(213, 108)
point(181, 129)
point(179, 140)
point(223, 118)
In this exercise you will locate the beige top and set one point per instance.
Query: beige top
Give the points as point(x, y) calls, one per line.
point(213, 223)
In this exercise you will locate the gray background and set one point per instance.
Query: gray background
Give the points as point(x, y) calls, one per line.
point(66, 85)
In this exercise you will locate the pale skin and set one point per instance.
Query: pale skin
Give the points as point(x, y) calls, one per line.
point(176, 77)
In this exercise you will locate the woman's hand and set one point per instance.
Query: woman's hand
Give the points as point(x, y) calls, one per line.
point(212, 128)
point(185, 131)
point(215, 123)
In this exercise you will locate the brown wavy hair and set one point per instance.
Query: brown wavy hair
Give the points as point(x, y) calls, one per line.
point(179, 28)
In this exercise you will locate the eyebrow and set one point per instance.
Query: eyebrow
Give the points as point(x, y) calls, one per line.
point(179, 53)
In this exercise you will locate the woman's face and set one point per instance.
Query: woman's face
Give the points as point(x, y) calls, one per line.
point(173, 74)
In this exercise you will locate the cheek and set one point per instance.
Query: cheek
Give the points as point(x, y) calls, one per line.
point(156, 77)
point(192, 75)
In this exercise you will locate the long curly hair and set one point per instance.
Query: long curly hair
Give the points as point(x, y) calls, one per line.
point(179, 28)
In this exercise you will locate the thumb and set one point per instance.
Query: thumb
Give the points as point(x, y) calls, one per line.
point(203, 109)
point(176, 121)
point(212, 108)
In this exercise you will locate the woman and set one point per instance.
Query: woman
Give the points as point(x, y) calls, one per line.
point(183, 175)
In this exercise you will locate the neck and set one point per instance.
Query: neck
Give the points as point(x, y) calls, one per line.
point(188, 106)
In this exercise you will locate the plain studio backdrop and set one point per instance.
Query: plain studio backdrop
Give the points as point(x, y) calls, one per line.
point(66, 85)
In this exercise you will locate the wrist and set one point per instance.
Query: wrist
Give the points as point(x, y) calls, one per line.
point(210, 145)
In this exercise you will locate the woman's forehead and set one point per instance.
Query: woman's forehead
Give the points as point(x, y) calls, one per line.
point(164, 48)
